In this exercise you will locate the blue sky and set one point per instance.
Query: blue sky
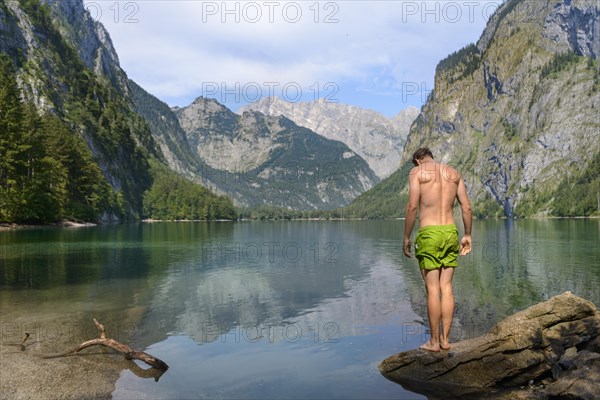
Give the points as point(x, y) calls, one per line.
point(378, 55)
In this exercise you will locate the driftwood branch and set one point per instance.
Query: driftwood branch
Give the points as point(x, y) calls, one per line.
point(100, 328)
point(122, 348)
point(23, 346)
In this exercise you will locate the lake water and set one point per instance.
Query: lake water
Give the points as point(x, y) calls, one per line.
point(274, 309)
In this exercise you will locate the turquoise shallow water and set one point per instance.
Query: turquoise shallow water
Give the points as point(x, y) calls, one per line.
point(274, 309)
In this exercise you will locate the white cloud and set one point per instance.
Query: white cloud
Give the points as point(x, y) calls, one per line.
point(177, 47)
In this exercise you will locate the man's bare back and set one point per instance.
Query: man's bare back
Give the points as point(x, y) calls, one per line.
point(438, 188)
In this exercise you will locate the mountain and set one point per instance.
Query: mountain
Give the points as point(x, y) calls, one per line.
point(517, 113)
point(374, 137)
point(71, 144)
point(264, 160)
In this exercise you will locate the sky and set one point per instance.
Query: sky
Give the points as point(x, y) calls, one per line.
point(378, 55)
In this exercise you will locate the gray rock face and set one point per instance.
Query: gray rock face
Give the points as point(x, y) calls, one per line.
point(527, 346)
point(214, 133)
point(576, 24)
point(12, 36)
point(374, 137)
point(90, 35)
point(89, 38)
point(17, 36)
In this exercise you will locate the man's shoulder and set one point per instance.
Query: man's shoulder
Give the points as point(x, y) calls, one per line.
point(415, 172)
point(449, 173)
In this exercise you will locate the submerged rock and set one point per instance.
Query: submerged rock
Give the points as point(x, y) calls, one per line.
point(514, 357)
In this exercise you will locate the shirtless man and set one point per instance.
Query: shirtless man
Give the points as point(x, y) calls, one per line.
point(433, 187)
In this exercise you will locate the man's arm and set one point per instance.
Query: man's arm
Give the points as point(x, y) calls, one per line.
point(414, 193)
point(467, 217)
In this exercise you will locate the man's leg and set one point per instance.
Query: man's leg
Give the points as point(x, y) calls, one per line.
point(432, 284)
point(446, 275)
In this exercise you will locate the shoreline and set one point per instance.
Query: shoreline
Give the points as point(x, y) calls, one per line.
point(11, 226)
point(8, 226)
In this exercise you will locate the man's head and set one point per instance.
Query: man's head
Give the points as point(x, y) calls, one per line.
point(420, 154)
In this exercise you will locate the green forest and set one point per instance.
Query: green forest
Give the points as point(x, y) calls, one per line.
point(46, 172)
point(172, 197)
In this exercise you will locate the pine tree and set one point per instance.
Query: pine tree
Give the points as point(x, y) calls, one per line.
point(12, 149)
point(45, 184)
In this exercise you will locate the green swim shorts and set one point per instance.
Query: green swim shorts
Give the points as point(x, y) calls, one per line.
point(437, 246)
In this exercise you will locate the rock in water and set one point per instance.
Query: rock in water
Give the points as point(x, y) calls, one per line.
point(525, 346)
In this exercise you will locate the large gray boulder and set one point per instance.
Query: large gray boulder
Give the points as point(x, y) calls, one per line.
point(526, 348)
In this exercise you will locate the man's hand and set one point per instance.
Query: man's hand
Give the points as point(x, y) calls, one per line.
point(407, 248)
point(465, 245)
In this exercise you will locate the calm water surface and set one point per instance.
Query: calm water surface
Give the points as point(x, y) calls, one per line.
point(274, 309)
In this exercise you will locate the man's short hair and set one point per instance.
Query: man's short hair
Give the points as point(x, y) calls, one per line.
point(420, 154)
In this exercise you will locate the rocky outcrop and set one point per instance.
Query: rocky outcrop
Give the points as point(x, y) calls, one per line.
point(225, 140)
point(89, 37)
point(554, 344)
point(373, 136)
point(576, 25)
point(20, 38)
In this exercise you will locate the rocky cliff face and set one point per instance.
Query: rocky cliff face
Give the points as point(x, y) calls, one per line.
point(574, 24)
point(264, 160)
point(26, 40)
point(371, 135)
point(90, 39)
point(518, 113)
point(225, 141)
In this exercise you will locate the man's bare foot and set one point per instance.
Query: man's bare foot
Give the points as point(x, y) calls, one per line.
point(429, 346)
point(444, 345)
